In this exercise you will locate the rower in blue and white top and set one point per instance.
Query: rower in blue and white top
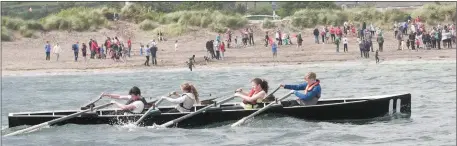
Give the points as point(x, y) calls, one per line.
point(135, 103)
point(312, 90)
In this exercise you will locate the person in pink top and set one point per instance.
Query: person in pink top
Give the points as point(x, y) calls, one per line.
point(94, 49)
point(222, 49)
point(332, 33)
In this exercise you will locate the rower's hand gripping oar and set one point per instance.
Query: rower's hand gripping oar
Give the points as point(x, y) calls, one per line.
point(57, 120)
point(149, 111)
point(260, 110)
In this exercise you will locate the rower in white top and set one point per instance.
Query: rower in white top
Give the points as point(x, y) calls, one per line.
point(135, 103)
point(186, 101)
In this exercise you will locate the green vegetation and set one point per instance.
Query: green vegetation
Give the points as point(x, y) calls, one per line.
point(268, 24)
point(214, 20)
point(431, 14)
point(148, 25)
point(176, 18)
point(6, 34)
point(79, 19)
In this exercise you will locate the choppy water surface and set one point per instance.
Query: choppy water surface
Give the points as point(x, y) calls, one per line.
point(432, 85)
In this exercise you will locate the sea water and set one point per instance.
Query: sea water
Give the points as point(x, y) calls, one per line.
point(431, 83)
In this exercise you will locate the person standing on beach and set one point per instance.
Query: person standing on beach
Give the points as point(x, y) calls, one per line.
point(380, 40)
point(129, 45)
point(337, 43)
point(75, 49)
point(316, 35)
point(148, 52)
point(222, 49)
point(274, 49)
point(251, 36)
point(190, 64)
point(57, 51)
point(377, 57)
point(47, 49)
point(154, 55)
point(323, 35)
point(176, 45)
point(217, 50)
point(361, 47)
point(84, 52)
point(345, 44)
point(300, 40)
point(267, 39)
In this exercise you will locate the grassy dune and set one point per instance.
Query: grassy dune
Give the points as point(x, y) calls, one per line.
point(179, 22)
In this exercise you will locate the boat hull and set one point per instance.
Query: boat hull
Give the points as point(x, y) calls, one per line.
point(326, 110)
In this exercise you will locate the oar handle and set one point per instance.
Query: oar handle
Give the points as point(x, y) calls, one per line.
point(260, 110)
point(92, 102)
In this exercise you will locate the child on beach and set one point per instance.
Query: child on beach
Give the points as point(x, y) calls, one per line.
point(274, 49)
point(141, 49)
point(102, 53)
point(345, 44)
point(190, 64)
point(337, 42)
point(377, 57)
point(176, 45)
point(148, 52)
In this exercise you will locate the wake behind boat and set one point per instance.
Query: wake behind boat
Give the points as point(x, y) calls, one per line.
point(324, 110)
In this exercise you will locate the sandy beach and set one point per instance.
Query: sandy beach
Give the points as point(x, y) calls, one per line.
point(27, 56)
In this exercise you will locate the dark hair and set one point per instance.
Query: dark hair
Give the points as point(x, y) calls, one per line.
point(135, 91)
point(263, 84)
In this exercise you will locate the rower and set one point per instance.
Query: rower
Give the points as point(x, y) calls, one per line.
point(312, 90)
point(135, 103)
point(186, 101)
point(258, 92)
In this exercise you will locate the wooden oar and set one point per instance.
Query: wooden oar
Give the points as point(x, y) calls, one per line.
point(149, 111)
point(92, 102)
point(195, 113)
point(204, 109)
point(56, 120)
point(260, 110)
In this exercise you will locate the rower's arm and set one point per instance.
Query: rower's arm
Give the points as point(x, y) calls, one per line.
point(254, 97)
point(313, 93)
point(125, 107)
point(175, 100)
point(296, 87)
point(116, 96)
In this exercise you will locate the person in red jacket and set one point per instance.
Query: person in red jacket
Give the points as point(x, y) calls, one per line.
point(222, 49)
point(332, 33)
point(129, 45)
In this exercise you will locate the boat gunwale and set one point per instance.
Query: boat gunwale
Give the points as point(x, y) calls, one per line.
point(352, 100)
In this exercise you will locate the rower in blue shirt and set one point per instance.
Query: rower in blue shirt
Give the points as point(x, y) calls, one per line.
point(312, 90)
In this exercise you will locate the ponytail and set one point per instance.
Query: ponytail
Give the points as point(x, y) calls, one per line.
point(190, 88)
point(194, 91)
point(263, 84)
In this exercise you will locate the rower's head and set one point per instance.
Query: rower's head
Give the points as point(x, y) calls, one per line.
point(310, 77)
point(259, 85)
point(189, 88)
point(135, 92)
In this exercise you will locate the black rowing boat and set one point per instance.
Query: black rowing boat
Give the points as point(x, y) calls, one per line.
point(325, 110)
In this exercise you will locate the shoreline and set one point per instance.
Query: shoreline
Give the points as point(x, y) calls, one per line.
point(213, 66)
